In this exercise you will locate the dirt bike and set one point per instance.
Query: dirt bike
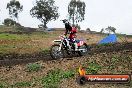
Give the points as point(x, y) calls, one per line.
point(64, 46)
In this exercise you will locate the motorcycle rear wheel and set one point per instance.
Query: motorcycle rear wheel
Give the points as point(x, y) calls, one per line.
point(82, 53)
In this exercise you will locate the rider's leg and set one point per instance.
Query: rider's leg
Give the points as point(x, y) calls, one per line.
point(76, 47)
point(75, 44)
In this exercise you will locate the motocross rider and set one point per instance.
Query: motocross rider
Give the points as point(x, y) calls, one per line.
point(72, 31)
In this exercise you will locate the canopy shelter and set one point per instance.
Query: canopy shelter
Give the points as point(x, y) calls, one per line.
point(112, 38)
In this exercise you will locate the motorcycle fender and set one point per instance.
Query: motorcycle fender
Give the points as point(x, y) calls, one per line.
point(57, 41)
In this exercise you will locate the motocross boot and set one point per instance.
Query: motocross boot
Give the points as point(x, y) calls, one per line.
point(76, 47)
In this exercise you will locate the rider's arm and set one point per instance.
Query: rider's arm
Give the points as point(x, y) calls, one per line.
point(67, 28)
point(66, 32)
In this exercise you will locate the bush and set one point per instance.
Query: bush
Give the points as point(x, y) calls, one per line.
point(9, 22)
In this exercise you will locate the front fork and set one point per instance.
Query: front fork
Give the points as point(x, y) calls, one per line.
point(60, 46)
point(66, 45)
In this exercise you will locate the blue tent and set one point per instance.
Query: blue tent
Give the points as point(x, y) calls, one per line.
point(109, 39)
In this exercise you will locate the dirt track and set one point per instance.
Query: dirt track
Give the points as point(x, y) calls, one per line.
point(102, 55)
point(14, 59)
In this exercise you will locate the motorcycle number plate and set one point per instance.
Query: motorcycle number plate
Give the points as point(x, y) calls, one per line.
point(80, 43)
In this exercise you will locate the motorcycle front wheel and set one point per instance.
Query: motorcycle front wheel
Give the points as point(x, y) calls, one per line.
point(55, 52)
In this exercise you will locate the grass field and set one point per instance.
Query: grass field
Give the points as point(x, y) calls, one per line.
point(38, 41)
point(29, 43)
point(24, 43)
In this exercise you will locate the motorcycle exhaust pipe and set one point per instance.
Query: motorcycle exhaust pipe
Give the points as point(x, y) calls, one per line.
point(82, 50)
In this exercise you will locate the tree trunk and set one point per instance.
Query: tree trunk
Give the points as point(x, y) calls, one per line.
point(45, 24)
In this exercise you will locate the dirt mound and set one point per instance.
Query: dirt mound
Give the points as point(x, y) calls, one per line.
point(111, 47)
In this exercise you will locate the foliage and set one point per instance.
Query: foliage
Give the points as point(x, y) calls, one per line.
point(76, 10)
point(110, 29)
point(88, 30)
point(78, 26)
point(118, 59)
point(41, 26)
point(33, 67)
point(113, 61)
point(10, 22)
point(54, 77)
point(68, 74)
point(45, 11)
point(14, 8)
point(2, 85)
point(102, 30)
point(93, 68)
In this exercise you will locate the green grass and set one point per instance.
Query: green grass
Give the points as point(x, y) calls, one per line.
point(44, 50)
point(33, 67)
point(21, 84)
point(104, 44)
point(68, 74)
point(36, 35)
point(6, 29)
point(7, 36)
point(21, 42)
point(93, 68)
point(52, 79)
point(42, 35)
point(11, 48)
point(121, 61)
point(6, 48)
point(113, 62)
point(2, 85)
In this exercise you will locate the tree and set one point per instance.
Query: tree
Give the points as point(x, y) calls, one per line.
point(110, 29)
point(102, 30)
point(10, 22)
point(88, 30)
point(76, 11)
point(78, 27)
point(45, 11)
point(14, 8)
